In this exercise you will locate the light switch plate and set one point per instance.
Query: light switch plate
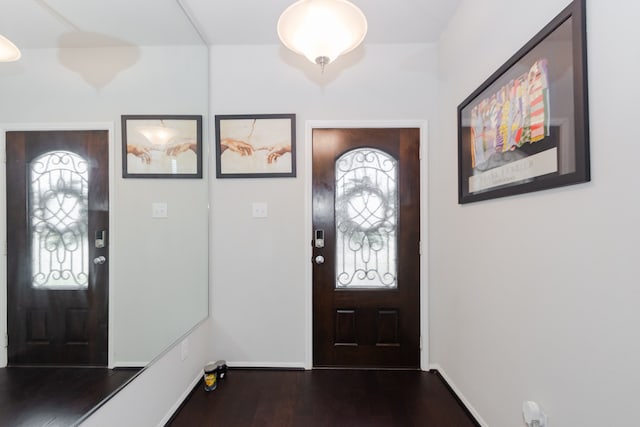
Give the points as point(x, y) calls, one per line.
point(259, 210)
point(159, 210)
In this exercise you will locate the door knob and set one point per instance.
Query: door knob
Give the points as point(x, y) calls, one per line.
point(99, 260)
point(319, 259)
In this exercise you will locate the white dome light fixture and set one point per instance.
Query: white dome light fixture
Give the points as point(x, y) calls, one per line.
point(322, 30)
point(8, 51)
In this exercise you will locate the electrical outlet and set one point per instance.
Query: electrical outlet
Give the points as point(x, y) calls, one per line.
point(184, 349)
point(533, 415)
point(159, 210)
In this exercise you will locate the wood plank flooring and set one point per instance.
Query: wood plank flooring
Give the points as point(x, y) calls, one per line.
point(54, 396)
point(325, 398)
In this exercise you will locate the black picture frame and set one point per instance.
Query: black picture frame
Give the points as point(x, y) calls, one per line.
point(255, 145)
point(161, 146)
point(501, 150)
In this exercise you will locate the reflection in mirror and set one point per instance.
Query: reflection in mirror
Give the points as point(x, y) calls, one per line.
point(156, 266)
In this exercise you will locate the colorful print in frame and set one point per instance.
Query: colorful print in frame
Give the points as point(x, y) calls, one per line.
point(526, 128)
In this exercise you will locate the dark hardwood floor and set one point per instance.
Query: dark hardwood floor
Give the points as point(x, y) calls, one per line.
point(325, 398)
point(54, 396)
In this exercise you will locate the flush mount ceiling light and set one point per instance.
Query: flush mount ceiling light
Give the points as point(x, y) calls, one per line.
point(322, 30)
point(8, 51)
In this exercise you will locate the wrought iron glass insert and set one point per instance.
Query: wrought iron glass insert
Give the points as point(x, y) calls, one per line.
point(366, 210)
point(58, 214)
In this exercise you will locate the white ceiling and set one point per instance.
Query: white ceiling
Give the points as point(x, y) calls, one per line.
point(90, 23)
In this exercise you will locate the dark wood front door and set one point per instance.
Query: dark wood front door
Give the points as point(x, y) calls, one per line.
point(366, 261)
point(57, 223)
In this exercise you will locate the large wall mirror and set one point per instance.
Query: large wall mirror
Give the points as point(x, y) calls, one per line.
point(87, 64)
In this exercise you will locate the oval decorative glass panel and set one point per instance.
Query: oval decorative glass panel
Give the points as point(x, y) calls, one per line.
point(58, 213)
point(366, 218)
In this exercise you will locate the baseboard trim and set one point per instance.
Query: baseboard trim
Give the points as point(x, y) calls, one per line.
point(457, 393)
point(129, 365)
point(266, 365)
point(181, 400)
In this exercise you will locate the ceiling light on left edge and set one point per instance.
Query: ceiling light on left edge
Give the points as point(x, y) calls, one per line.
point(9, 52)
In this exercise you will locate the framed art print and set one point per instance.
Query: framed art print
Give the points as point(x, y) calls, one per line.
point(161, 146)
point(255, 146)
point(526, 127)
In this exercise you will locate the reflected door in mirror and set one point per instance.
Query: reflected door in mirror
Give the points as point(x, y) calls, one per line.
point(57, 222)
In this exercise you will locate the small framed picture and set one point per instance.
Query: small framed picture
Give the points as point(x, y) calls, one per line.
point(167, 146)
point(256, 146)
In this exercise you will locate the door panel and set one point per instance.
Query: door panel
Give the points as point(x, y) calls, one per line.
point(366, 289)
point(57, 199)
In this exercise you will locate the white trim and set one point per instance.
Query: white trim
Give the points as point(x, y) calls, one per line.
point(129, 364)
point(308, 238)
point(424, 246)
point(110, 128)
point(113, 243)
point(458, 393)
point(3, 241)
point(424, 223)
point(266, 365)
point(181, 399)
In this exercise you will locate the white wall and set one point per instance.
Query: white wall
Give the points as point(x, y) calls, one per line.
point(157, 392)
point(258, 266)
point(158, 268)
point(259, 285)
point(535, 296)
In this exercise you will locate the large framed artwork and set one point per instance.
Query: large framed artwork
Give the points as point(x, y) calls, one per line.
point(161, 146)
point(526, 127)
point(255, 146)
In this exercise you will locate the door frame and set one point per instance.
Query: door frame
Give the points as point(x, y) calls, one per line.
point(424, 225)
point(26, 127)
